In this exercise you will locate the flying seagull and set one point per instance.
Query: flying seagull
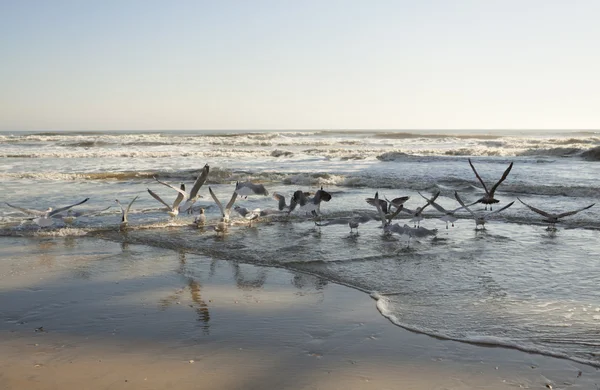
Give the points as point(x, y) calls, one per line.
point(248, 188)
point(418, 212)
point(44, 218)
point(227, 210)
point(124, 213)
point(552, 218)
point(181, 195)
point(72, 215)
point(193, 195)
point(480, 219)
point(309, 204)
point(488, 198)
point(448, 216)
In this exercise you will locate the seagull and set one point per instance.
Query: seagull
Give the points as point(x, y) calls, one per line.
point(383, 208)
point(248, 188)
point(250, 215)
point(193, 195)
point(181, 195)
point(418, 212)
point(221, 227)
point(410, 232)
point(72, 215)
point(352, 222)
point(488, 198)
point(124, 213)
point(387, 204)
point(281, 203)
point(551, 218)
point(43, 218)
point(480, 219)
point(311, 204)
point(200, 220)
point(448, 216)
point(227, 210)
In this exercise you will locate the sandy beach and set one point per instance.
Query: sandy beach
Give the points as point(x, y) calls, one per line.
point(94, 314)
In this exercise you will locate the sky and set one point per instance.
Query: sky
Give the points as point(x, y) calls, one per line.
point(309, 64)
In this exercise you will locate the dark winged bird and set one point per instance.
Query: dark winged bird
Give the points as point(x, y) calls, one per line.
point(488, 198)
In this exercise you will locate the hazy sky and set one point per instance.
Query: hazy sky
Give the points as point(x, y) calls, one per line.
point(490, 64)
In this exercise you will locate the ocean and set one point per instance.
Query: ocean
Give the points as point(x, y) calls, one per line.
point(514, 284)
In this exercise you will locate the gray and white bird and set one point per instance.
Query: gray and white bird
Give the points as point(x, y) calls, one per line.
point(44, 218)
point(225, 212)
point(200, 220)
point(193, 196)
point(417, 214)
point(281, 204)
point(249, 215)
point(552, 218)
point(309, 204)
point(480, 219)
point(352, 222)
point(248, 188)
point(410, 232)
point(71, 215)
point(488, 198)
point(173, 210)
point(124, 213)
point(449, 215)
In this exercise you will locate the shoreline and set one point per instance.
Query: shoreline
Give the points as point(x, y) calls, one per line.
point(116, 315)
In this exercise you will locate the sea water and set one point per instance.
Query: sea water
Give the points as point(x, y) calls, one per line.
point(514, 284)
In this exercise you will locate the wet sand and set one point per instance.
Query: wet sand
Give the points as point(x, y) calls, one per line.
point(87, 313)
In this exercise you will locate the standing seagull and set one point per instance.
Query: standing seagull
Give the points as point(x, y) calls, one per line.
point(193, 195)
point(488, 198)
point(200, 220)
point(480, 219)
point(44, 218)
point(181, 195)
point(227, 210)
point(124, 213)
point(551, 218)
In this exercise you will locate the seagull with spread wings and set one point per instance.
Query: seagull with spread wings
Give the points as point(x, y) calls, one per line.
point(44, 218)
point(552, 218)
point(181, 196)
point(124, 213)
point(480, 219)
point(488, 198)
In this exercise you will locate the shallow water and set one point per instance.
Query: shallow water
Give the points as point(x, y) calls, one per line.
point(514, 284)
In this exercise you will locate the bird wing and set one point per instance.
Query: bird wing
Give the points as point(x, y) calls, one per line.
point(129, 206)
point(478, 177)
point(463, 204)
point(395, 213)
point(439, 208)
point(499, 210)
point(379, 210)
point(504, 175)
point(280, 199)
point(540, 212)
point(180, 197)
point(158, 198)
point(321, 195)
point(567, 213)
point(199, 181)
point(90, 212)
point(27, 211)
point(231, 202)
point(382, 203)
point(216, 201)
point(66, 207)
point(432, 199)
point(400, 200)
point(181, 192)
